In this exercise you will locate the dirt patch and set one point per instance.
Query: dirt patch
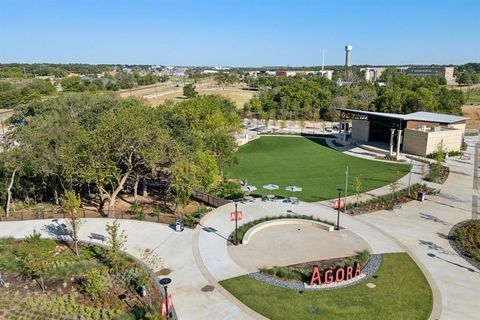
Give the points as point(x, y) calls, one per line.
point(164, 272)
point(473, 112)
point(208, 288)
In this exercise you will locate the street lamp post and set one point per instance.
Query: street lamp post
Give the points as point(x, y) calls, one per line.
point(236, 224)
point(410, 176)
point(339, 190)
point(165, 282)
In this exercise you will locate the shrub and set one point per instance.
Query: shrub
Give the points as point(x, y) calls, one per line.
point(137, 212)
point(228, 190)
point(95, 282)
point(190, 221)
point(455, 153)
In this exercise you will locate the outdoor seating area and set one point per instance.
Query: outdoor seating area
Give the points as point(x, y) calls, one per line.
point(292, 200)
point(270, 197)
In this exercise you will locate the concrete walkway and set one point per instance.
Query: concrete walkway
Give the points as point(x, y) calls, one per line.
point(216, 227)
point(424, 228)
point(176, 252)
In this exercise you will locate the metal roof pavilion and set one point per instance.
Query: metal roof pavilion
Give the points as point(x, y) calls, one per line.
point(416, 116)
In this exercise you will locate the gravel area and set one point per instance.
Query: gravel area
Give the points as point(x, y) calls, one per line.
point(368, 271)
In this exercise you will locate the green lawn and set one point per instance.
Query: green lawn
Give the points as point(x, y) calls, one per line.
point(307, 163)
point(401, 292)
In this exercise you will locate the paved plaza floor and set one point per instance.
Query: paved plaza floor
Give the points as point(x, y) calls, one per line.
point(285, 245)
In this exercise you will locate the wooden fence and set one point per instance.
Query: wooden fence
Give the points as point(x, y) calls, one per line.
point(209, 200)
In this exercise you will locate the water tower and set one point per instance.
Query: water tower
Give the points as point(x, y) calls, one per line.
point(348, 49)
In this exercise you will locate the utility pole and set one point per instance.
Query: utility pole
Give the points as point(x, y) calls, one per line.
point(346, 186)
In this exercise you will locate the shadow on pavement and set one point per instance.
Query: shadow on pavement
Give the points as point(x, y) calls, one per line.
point(436, 247)
point(430, 217)
point(58, 230)
point(454, 263)
point(213, 230)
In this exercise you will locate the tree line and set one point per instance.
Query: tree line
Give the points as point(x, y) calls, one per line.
point(315, 97)
point(469, 73)
point(58, 70)
point(12, 94)
point(101, 145)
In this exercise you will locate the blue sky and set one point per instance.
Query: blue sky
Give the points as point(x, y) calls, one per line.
point(240, 33)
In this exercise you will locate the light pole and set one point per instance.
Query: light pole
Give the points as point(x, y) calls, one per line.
point(165, 282)
point(236, 223)
point(339, 190)
point(410, 176)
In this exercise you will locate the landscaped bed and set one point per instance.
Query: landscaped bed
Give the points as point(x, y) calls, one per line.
point(401, 292)
point(467, 240)
point(388, 201)
point(44, 279)
point(302, 271)
point(307, 163)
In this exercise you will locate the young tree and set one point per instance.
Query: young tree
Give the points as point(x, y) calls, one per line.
point(395, 184)
point(36, 260)
point(71, 203)
point(116, 239)
point(358, 187)
point(189, 91)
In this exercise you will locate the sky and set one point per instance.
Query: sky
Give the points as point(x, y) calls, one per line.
point(239, 32)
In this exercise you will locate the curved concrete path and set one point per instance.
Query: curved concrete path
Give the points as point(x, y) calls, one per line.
point(176, 253)
point(424, 228)
point(216, 227)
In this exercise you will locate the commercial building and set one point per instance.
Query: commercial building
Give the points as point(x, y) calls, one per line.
point(372, 74)
point(417, 133)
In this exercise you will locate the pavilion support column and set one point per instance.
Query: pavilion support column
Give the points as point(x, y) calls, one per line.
point(399, 141)
point(345, 130)
point(340, 136)
point(392, 134)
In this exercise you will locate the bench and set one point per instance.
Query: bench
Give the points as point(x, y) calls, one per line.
point(96, 236)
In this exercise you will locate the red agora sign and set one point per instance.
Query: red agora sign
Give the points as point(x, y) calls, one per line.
point(335, 203)
point(164, 305)
point(334, 275)
point(236, 215)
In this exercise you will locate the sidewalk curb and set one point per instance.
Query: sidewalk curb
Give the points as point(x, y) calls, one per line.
point(203, 269)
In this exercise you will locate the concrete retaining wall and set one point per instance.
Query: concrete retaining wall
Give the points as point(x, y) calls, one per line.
point(277, 222)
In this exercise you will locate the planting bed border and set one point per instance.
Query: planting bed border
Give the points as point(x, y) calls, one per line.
point(368, 271)
point(458, 250)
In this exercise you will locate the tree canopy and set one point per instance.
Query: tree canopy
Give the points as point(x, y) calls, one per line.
point(309, 96)
point(106, 143)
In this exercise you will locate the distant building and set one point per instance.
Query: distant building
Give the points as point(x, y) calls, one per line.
point(372, 74)
point(209, 71)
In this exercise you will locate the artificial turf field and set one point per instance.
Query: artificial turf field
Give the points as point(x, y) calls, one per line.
point(310, 164)
point(401, 292)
